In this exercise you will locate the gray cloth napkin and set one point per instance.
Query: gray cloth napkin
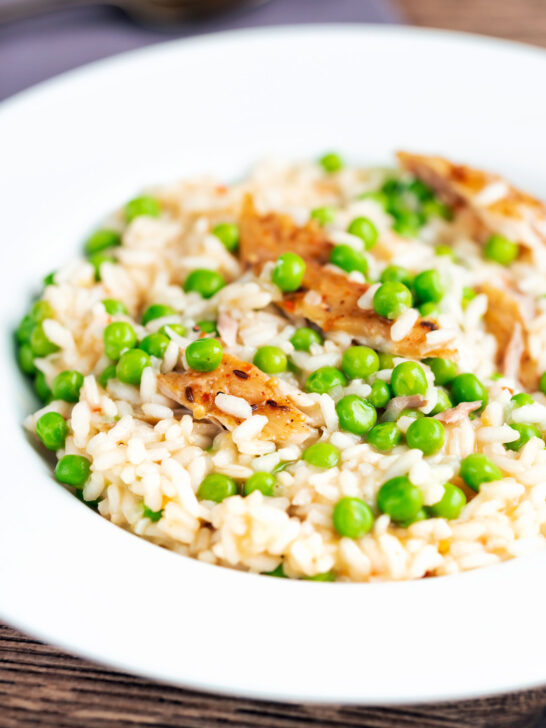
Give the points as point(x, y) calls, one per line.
point(37, 48)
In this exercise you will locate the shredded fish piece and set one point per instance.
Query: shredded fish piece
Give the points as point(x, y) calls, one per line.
point(227, 328)
point(496, 205)
point(197, 391)
point(507, 313)
point(399, 404)
point(458, 413)
point(264, 238)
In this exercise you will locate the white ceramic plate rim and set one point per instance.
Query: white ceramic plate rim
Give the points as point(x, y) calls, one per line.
point(128, 604)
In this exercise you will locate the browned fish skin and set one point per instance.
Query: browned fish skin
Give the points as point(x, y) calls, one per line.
point(460, 186)
point(197, 391)
point(339, 311)
point(264, 237)
point(505, 313)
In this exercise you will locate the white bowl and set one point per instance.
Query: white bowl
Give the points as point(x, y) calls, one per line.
point(75, 147)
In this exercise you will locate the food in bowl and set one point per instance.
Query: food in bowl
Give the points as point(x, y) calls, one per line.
point(322, 372)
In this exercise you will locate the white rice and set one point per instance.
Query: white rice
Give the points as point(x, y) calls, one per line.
point(236, 406)
point(404, 324)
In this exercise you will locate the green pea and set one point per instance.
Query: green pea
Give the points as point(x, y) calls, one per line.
point(451, 503)
point(118, 336)
point(325, 576)
point(270, 359)
point(428, 286)
point(277, 572)
point(394, 186)
point(40, 311)
point(322, 455)
point(469, 294)
point(352, 517)
point(521, 399)
point(384, 436)
point(400, 499)
point(282, 466)
point(413, 413)
point(101, 240)
point(426, 434)
point(428, 309)
point(355, 414)
point(445, 250)
point(216, 487)
point(358, 362)
point(155, 311)
point(304, 338)
point(408, 378)
point(25, 329)
point(380, 394)
point(73, 470)
point(501, 250)
point(49, 279)
point(477, 469)
point(421, 190)
point(67, 385)
point(41, 387)
point(204, 355)
point(386, 361)
point(436, 208)
point(153, 516)
point(228, 234)
point(444, 370)
point(143, 205)
point(525, 432)
point(349, 259)
point(92, 504)
point(468, 388)
point(264, 482)
point(397, 274)
point(542, 383)
point(131, 365)
point(288, 272)
point(40, 344)
point(155, 344)
point(364, 229)
point(52, 430)
point(323, 215)
point(443, 403)
point(108, 373)
point(331, 162)
point(421, 515)
point(205, 282)
point(207, 327)
point(177, 329)
point(26, 359)
point(391, 299)
point(324, 379)
point(377, 196)
point(407, 223)
point(113, 307)
point(97, 259)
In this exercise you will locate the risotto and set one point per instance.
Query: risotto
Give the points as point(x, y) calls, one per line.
point(321, 372)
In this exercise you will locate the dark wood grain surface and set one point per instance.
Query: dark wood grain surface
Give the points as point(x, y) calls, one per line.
point(42, 686)
point(522, 20)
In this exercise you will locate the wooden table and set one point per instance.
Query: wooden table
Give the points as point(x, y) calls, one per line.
point(42, 686)
point(522, 20)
